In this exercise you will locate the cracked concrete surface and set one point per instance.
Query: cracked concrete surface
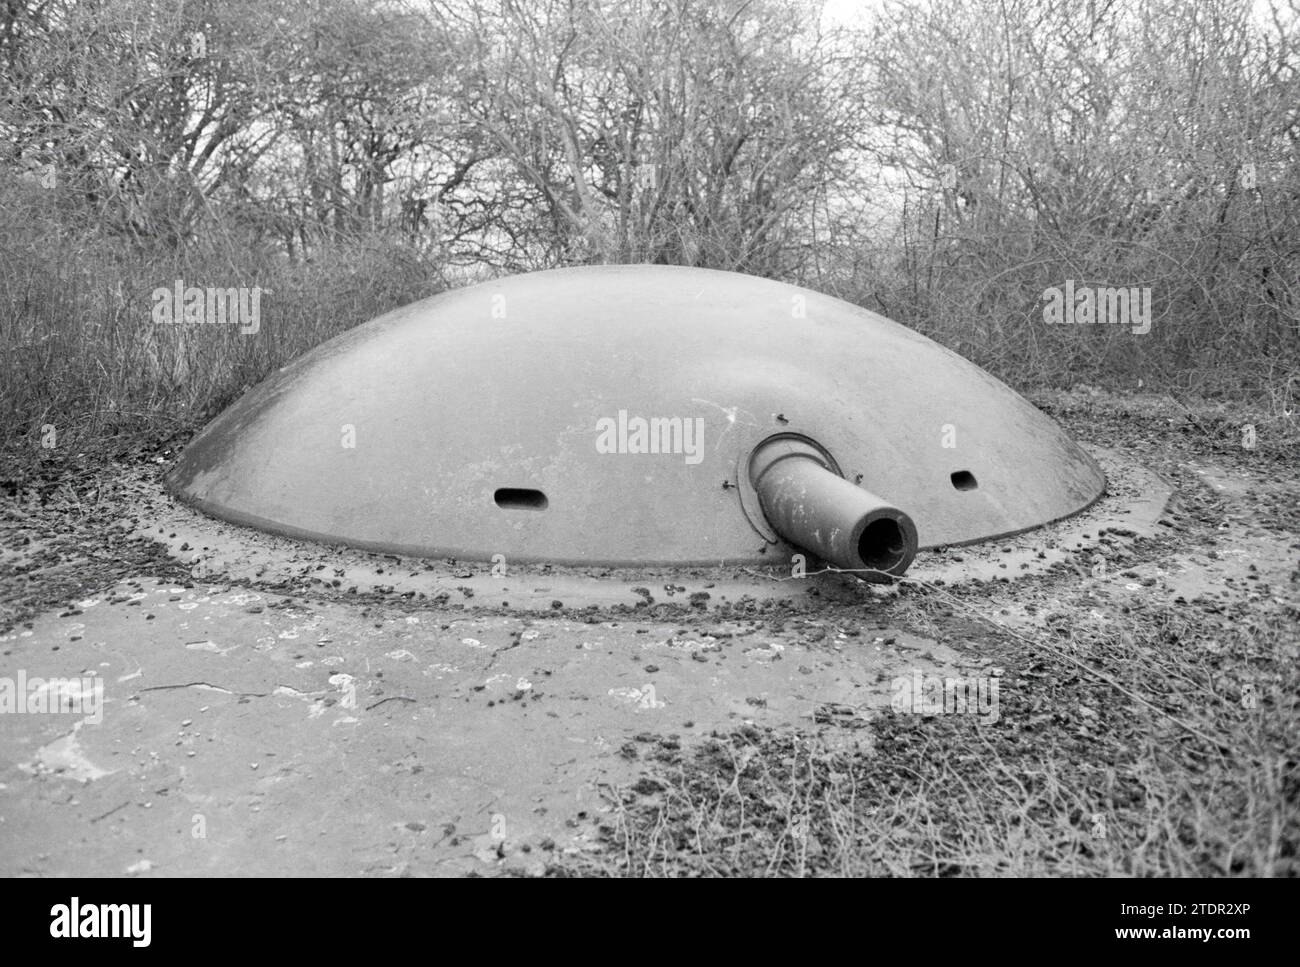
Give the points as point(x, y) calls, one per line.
point(250, 733)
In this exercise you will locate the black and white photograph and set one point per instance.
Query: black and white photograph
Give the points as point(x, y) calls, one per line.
point(670, 439)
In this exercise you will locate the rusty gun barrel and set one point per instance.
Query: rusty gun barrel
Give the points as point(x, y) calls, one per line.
point(812, 507)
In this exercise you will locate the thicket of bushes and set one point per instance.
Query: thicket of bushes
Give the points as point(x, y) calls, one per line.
point(82, 353)
point(943, 163)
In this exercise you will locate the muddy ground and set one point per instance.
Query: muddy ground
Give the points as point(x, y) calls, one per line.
point(273, 707)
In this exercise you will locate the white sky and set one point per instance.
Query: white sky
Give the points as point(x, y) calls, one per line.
point(846, 11)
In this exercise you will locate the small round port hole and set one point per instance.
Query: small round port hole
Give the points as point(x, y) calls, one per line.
point(964, 480)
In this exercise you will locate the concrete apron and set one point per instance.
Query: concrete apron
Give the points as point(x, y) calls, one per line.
point(247, 732)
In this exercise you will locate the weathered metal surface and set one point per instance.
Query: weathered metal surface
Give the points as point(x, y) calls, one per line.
point(511, 418)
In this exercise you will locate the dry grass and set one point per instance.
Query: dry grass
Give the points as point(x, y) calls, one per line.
point(1074, 780)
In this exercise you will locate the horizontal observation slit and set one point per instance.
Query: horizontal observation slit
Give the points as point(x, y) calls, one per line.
point(519, 498)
